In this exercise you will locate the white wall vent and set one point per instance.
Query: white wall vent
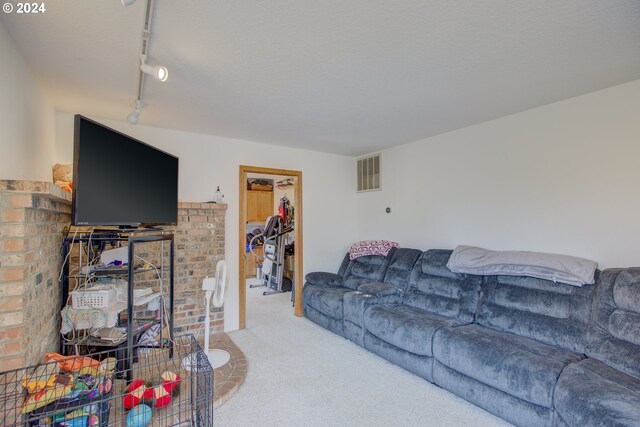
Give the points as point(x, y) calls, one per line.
point(369, 173)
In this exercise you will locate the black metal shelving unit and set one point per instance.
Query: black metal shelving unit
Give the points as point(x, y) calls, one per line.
point(132, 238)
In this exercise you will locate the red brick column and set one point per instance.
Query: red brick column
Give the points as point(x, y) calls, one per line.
point(199, 240)
point(33, 216)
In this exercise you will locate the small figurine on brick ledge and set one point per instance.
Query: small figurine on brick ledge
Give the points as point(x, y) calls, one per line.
point(63, 176)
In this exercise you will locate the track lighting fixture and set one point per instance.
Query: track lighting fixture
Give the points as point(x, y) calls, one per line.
point(158, 72)
point(134, 117)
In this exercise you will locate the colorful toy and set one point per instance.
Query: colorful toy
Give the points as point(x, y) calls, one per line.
point(44, 397)
point(104, 386)
point(35, 385)
point(81, 421)
point(157, 397)
point(86, 411)
point(84, 417)
point(140, 416)
point(70, 380)
point(86, 380)
point(135, 393)
point(171, 382)
point(73, 363)
point(42, 377)
point(107, 366)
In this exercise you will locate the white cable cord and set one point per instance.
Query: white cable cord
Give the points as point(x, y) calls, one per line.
point(73, 239)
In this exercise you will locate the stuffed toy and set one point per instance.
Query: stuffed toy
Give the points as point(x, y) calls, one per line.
point(140, 392)
point(63, 176)
point(41, 377)
point(44, 397)
point(135, 393)
point(171, 382)
point(78, 364)
point(157, 397)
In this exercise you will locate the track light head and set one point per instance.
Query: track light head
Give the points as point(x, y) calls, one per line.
point(128, 2)
point(158, 72)
point(134, 117)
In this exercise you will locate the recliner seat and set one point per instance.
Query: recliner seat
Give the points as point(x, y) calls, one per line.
point(435, 298)
point(605, 389)
point(527, 332)
point(323, 293)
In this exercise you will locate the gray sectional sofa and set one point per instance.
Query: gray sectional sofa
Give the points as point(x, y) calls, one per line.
point(530, 351)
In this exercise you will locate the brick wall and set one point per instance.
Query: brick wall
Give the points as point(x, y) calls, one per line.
point(199, 239)
point(33, 216)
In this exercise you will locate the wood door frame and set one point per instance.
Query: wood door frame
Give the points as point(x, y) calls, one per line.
point(242, 224)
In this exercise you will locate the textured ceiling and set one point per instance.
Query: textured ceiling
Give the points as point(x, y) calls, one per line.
point(340, 76)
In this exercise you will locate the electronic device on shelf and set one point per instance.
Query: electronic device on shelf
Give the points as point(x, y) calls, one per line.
point(111, 256)
point(110, 334)
point(120, 181)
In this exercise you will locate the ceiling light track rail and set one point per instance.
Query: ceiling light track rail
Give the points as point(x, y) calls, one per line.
point(158, 72)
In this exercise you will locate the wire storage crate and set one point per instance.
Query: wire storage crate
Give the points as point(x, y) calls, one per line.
point(171, 386)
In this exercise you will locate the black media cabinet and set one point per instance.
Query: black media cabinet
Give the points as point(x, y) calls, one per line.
point(79, 249)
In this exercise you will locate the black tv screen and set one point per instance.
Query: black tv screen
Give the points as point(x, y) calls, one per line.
point(121, 181)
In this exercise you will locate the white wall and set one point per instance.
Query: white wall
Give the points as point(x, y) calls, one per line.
point(563, 178)
point(207, 161)
point(27, 119)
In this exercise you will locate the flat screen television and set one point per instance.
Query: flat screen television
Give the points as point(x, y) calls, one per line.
point(120, 181)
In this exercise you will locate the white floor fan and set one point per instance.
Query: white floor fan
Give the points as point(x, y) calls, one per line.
point(214, 288)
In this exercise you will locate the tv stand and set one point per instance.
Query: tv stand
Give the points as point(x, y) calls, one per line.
point(158, 247)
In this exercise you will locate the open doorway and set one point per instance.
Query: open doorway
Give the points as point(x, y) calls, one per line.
point(262, 193)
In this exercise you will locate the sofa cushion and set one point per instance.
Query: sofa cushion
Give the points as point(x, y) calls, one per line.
point(554, 313)
point(323, 278)
point(400, 267)
point(365, 269)
point(590, 393)
point(405, 327)
point(355, 304)
point(516, 365)
point(614, 333)
point(434, 288)
point(325, 299)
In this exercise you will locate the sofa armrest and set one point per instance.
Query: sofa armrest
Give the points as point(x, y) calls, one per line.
point(385, 292)
point(355, 304)
point(324, 279)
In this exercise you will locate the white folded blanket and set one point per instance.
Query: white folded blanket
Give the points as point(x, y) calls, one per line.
point(557, 268)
